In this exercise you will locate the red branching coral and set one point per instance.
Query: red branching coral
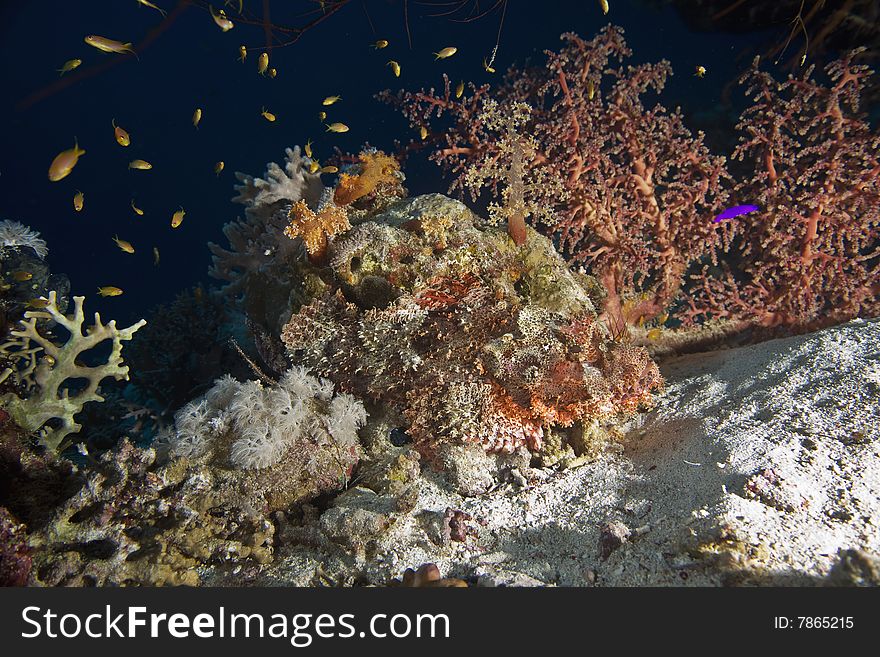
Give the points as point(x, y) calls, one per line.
point(811, 257)
point(640, 190)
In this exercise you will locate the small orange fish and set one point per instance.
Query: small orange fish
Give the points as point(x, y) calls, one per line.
point(108, 45)
point(459, 90)
point(123, 245)
point(21, 276)
point(337, 127)
point(263, 63)
point(109, 291)
point(143, 165)
point(218, 168)
point(64, 162)
point(220, 19)
point(197, 116)
point(78, 200)
point(267, 115)
point(177, 218)
point(122, 137)
point(40, 302)
point(147, 3)
point(136, 209)
point(395, 67)
point(381, 43)
point(446, 52)
point(69, 65)
point(329, 169)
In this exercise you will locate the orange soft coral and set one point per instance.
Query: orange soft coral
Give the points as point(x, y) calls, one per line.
point(376, 168)
point(314, 228)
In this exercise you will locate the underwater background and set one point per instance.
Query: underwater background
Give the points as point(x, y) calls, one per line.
point(375, 349)
point(188, 63)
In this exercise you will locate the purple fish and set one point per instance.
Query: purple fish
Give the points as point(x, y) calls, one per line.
point(735, 211)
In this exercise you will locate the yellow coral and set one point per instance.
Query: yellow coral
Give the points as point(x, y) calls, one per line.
point(376, 168)
point(315, 228)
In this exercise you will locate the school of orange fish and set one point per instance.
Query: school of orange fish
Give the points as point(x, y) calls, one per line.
point(65, 161)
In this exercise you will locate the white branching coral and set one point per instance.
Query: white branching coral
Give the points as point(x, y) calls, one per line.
point(15, 235)
point(264, 424)
point(288, 185)
point(49, 372)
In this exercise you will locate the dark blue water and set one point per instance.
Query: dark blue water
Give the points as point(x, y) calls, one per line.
point(189, 62)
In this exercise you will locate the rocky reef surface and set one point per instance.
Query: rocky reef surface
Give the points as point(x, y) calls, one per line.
point(437, 393)
point(758, 465)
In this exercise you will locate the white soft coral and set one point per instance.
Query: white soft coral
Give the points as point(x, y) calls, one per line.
point(290, 184)
point(265, 423)
point(14, 235)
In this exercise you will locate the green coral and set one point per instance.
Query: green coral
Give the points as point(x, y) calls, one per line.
point(45, 369)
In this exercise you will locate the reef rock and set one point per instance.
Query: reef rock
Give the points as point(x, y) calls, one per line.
point(758, 466)
point(475, 341)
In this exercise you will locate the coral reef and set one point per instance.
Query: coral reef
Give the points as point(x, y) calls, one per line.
point(641, 191)
point(810, 257)
point(183, 348)
point(264, 196)
point(316, 227)
point(375, 170)
point(376, 176)
point(49, 371)
point(478, 342)
point(263, 269)
point(204, 507)
point(139, 522)
point(516, 164)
